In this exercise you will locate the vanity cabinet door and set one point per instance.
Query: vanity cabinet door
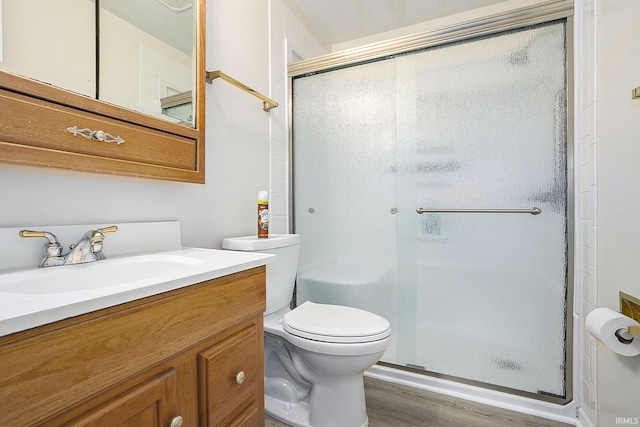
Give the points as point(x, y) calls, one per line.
point(230, 379)
point(150, 404)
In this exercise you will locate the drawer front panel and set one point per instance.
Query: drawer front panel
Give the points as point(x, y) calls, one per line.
point(230, 376)
point(25, 123)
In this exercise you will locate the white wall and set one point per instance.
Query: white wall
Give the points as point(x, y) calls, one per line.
point(237, 153)
point(617, 124)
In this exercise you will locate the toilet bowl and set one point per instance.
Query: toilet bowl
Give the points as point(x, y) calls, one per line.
point(315, 354)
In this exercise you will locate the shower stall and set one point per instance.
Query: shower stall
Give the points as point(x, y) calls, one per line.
point(432, 186)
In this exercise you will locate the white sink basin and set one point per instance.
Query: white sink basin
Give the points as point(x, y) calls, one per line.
point(38, 296)
point(97, 275)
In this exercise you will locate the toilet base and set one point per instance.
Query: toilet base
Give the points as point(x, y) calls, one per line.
point(311, 383)
point(293, 414)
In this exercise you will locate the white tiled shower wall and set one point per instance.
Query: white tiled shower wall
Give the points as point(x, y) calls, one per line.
point(586, 191)
point(287, 33)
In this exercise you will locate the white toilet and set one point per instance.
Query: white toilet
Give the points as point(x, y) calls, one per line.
point(315, 355)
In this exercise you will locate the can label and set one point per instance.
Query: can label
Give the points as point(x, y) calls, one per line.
point(263, 221)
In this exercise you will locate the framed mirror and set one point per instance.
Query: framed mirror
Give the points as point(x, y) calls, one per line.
point(123, 93)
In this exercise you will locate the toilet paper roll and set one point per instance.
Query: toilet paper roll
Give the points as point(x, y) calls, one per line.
point(603, 323)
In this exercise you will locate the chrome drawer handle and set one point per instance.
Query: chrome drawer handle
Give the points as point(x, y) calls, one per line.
point(96, 135)
point(239, 377)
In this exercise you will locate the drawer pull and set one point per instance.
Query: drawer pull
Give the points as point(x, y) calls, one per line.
point(176, 422)
point(96, 135)
point(240, 377)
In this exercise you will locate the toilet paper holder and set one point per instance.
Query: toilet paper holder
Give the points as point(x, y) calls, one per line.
point(625, 336)
point(630, 307)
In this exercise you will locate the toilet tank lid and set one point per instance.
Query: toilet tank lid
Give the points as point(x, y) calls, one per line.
point(252, 243)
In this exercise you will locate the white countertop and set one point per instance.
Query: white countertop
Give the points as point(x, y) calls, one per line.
point(21, 310)
point(32, 296)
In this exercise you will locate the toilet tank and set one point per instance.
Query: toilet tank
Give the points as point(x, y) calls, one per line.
point(281, 274)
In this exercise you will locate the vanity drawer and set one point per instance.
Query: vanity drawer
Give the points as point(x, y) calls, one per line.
point(26, 120)
point(229, 380)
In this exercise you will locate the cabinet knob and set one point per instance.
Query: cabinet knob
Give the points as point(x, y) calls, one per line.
point(240, 377)
point(176, 422)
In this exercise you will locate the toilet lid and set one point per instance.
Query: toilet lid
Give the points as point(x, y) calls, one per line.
point(335, 323)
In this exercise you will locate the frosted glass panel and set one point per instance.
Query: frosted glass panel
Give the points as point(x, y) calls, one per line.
point(484, 131)
point(344, 173)
point(474, 125)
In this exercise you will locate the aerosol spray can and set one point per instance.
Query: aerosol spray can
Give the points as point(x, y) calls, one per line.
point(263, 215)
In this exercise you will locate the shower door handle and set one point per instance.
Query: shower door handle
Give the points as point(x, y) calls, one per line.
point(532, 211)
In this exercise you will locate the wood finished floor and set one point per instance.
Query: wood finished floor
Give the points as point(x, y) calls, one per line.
point(393, 405)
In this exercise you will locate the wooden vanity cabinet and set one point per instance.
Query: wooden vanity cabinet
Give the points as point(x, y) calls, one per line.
point(193, 355)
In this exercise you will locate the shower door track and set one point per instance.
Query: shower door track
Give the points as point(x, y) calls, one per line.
point(486, 25)
point(419, 370)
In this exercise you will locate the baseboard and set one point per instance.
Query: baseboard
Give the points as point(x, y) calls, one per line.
point(583, 420)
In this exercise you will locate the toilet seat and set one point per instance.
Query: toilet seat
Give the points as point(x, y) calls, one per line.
point(335, 324)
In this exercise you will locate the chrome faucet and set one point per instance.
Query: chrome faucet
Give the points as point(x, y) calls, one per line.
point(88, 248)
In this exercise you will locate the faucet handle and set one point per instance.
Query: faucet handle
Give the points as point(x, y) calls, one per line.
point(51, 249)
point(111, 229)
point(29, 233)
point(97, 238)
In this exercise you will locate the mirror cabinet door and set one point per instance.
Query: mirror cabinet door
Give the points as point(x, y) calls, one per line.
point(147, 57)
point(50, 41)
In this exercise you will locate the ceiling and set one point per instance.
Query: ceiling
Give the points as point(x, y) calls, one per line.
point(340, 21)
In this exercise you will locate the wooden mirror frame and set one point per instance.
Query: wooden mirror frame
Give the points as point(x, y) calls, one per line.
point(37, 124)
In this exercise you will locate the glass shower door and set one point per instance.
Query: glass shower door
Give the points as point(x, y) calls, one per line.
point(478, 131)
point(476, 125)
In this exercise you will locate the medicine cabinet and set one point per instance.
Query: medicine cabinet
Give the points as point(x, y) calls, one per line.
point(104, 86)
